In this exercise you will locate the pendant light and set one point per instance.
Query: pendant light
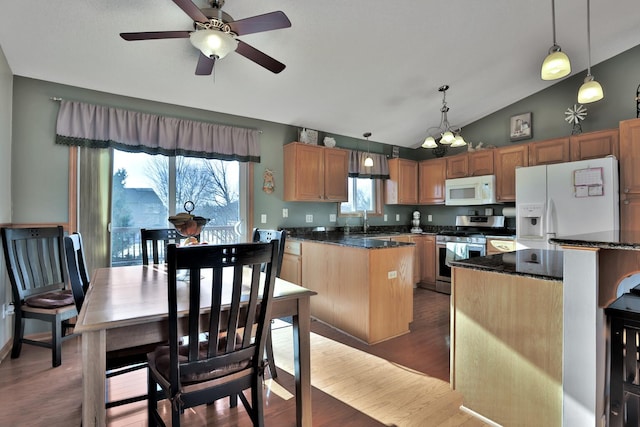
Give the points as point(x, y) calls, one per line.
point(591, 90)
point(556, 65)
point(368, 161)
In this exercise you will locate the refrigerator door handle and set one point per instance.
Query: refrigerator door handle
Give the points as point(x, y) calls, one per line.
point(550, 220)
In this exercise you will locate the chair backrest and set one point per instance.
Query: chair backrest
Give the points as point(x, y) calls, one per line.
point(265, 236)
point(34, 258)
point(240, 307)
point(156, 241)
point(76, 267)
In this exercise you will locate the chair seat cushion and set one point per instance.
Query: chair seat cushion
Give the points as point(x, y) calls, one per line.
point(160, 360)
point(54, 299)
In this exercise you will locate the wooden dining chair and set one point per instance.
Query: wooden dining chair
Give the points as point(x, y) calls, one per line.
point(230, 360)
point(35, 263)
point(263, 235)
point(120, 361)
point(154, 241)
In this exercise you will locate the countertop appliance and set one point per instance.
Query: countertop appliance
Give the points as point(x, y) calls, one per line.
point(467, 240)
point(565, 199)
point(473, 190)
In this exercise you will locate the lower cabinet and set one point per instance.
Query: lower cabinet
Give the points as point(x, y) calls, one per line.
point(367, 293)
point(291, 269)
point(428, 262)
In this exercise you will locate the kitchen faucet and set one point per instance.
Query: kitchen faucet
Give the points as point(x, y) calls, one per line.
point(365, 223)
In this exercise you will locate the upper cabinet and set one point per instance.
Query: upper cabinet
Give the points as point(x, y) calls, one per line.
point(630, 175)
point(549, 151)
point(402, 186)
point(432, 174)
point(507, 159)
point(476, 163)
point(314, 173)
point(594, 145)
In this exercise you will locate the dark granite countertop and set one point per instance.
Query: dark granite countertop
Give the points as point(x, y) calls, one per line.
point(536, 263)
point(613, 239)
point(364, 241)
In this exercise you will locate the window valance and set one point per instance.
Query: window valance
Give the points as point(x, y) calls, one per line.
point(95, 126)
point(357, 169)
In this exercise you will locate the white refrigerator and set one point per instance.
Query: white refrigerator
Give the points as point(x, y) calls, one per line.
point(565, 199)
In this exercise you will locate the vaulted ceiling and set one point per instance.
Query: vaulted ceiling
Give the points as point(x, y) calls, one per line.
point(351, 66)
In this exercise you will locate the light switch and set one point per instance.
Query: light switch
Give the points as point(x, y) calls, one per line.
point(263, 218)
point(397, 217)
point(429, 218)
point(385, 217)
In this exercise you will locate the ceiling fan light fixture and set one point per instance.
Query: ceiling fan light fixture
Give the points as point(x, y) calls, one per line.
point(213, 43)
point(556, 65)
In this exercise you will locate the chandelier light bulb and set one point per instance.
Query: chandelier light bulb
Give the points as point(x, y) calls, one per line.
point(429, 142)
point(458, 141)
point(447, 138)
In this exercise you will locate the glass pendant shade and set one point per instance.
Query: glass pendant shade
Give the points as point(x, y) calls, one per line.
point(590, 91)
point(447, 138)
point(429, 142)
point(458, 141)
point(213, 42)
point(368, 162)
point(556, 65)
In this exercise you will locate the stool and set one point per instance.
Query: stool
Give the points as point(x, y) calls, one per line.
point(624, 381)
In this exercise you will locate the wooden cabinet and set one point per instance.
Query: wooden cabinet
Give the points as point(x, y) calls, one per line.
point(315, 173)
point(506, 160)
point(476, 163)
point(416, 239)
point(402, 186)
point(291, 269)
point(431, 177)
point(593, 145)
point(356, 293)
point(457, 166)
point(630, 174)
point(551, 151)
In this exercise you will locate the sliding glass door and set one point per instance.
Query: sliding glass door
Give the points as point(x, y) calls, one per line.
point(147, 189)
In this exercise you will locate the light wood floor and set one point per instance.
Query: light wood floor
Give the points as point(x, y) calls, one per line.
point(37, 395)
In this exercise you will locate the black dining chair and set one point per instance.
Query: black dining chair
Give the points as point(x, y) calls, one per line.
point(154, 241)
point(35, 263)
point(119, 361)
point(223, 355)
point(264, 235)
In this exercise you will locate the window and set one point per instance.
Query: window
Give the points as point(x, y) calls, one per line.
point(147, 189)
point(364, 194)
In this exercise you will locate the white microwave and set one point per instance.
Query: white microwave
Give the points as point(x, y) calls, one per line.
point(474, 190)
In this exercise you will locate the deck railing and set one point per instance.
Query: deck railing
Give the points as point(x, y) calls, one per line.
point(127, 250)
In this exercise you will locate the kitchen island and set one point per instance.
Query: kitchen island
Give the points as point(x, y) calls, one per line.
point(506, 336)
point(364, 284)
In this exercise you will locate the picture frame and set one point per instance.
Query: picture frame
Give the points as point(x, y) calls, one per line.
point(521, 127)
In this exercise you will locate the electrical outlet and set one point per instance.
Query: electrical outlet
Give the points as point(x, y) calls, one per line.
point(392, 274)
point(263, 218)
point(385, 217)
point(397, 217)
point(285, 213)
point(309, 218)
point(429, 218)
point(332, 217)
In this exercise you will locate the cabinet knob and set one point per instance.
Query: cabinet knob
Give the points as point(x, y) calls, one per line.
point(626, 202)
point(626, 190)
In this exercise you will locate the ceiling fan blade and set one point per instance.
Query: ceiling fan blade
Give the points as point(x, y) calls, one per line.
point(192, 10)
point(154, 35)
point(258, 57)
point(257, 24)
point(205, 65)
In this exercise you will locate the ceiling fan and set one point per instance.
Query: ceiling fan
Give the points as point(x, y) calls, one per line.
point(215, 35)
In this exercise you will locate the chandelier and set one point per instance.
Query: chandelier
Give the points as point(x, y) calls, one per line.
point(447, 134)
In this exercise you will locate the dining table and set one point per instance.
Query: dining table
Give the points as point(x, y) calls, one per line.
point(127, 306)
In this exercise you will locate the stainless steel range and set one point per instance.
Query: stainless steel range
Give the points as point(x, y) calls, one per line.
point(468, 240)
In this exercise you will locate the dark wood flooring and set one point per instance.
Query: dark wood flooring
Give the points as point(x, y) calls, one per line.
point(34, 394)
